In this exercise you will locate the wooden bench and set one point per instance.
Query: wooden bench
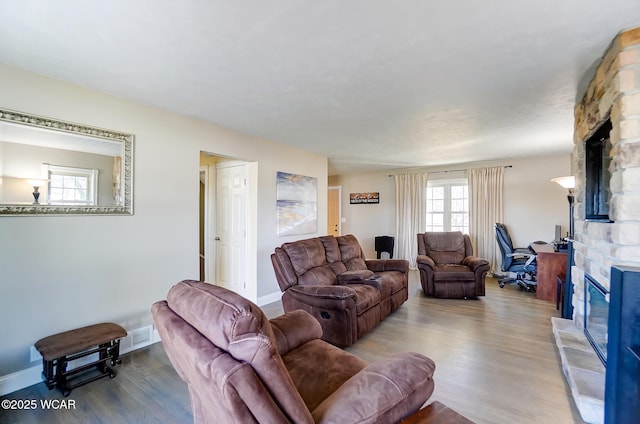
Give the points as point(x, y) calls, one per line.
point(59, 349)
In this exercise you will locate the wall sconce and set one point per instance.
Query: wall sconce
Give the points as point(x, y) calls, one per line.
point(36, 184)
point(568, 183)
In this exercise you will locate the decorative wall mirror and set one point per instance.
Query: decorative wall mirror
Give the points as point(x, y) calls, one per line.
point(52, 167)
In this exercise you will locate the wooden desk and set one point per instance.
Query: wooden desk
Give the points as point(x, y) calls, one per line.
point(550, 265)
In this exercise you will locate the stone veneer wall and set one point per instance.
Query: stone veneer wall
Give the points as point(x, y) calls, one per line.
point(613, 92)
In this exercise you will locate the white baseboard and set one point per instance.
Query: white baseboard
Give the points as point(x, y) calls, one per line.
point(19, 380)
point(270, 298)
point(28, 377)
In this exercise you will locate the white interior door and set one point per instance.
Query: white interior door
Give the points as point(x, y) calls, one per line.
point(231, 223)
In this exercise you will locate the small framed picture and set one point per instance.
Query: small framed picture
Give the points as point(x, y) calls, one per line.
point(364, 198)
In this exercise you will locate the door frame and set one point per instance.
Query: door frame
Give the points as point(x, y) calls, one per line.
point(252, 224)
point(203, 221)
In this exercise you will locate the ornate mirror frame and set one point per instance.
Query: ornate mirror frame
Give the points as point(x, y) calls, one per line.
point(125, 204)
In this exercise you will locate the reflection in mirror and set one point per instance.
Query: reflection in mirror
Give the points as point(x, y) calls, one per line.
point(51, 167)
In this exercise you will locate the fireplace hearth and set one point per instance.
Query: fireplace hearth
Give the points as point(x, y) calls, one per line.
point(582, 368)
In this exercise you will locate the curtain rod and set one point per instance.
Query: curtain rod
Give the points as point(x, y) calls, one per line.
point(448, 170)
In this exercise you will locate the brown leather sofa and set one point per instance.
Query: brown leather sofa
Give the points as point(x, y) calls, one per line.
point(330, 278)
point(447, 266)
point(242, 368)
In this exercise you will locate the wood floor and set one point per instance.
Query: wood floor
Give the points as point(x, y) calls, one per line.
point(496, 362)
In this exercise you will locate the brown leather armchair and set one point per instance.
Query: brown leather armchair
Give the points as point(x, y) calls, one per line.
point(447, 266)
point(242, 368)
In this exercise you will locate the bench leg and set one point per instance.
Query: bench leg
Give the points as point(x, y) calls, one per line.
point(47, 374)
point(61, 376)
point(103, 355)
point(106, 354)
point(114, 352)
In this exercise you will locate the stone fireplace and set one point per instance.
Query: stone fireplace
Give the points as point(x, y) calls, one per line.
point(612, 95)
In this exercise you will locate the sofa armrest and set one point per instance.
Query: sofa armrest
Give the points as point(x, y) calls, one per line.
point(380, 265)
point(312, 298)
point(373, 281)
point(293, 329)
point(387, 390)
point(354, 276)
point(474, 262)
point(425, 260)
point(334, 306)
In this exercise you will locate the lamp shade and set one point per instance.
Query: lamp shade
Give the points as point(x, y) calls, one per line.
point(566, 182)
point(34, 182)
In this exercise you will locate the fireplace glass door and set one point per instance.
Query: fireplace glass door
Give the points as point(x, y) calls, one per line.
point(596, 317)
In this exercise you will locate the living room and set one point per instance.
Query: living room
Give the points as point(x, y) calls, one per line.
point(63, 272)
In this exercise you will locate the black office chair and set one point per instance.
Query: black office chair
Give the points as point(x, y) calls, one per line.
point(521, 261)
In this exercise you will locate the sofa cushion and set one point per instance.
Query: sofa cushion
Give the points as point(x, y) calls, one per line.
point(351, 253)
point(453, 273)
point(445, 247)
point(320, 276)
point(310, 379)
point(366, 297)
point(393, 281)
point(332, 251)
point(305, 254)
point(331, 248)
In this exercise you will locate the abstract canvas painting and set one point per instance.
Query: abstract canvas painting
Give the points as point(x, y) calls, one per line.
point(296, 203)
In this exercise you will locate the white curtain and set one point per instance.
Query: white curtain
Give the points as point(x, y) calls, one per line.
point(411, 214)
point(486, 208)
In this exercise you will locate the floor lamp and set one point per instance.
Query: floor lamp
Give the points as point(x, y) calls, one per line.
point(568, 183)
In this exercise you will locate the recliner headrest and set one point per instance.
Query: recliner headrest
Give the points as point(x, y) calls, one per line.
point(220, 315)
point(445, 247)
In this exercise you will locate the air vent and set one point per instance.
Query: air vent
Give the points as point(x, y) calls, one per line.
point(140, 337)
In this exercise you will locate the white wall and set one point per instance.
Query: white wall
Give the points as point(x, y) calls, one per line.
point(533, 204)
point(366, 221)
point(59, 273)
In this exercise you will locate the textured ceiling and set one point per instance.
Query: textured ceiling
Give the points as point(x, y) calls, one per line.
point(372, 84)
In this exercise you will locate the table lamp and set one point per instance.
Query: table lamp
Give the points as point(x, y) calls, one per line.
point(36, 184)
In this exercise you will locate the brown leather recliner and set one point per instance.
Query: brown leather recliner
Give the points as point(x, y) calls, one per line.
point(330, 278)
point(447, 266)
point(242, 368)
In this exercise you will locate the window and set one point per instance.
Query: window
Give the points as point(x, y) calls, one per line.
point(448, 206)
point(72, 186)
